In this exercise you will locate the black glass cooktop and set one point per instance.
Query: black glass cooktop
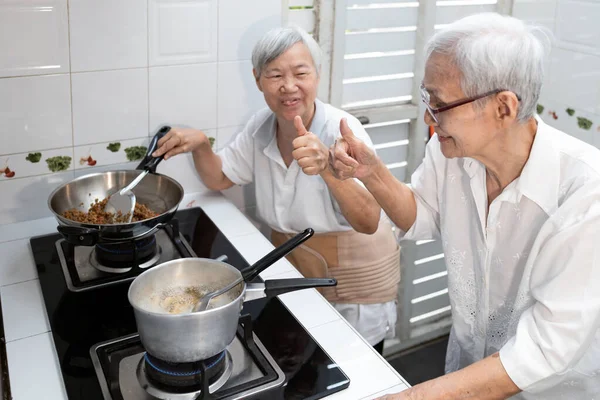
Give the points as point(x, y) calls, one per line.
point(81, 319)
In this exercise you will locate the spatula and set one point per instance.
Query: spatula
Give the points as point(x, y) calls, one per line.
point(203, 301)
point(123, 200)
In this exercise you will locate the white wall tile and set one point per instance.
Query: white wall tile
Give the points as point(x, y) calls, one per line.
point(108, 34)
point(35, 113)
point(110, 105)
point(242, 23)
point(34, 359)
point(102, 156)
point(577, 22)
point(27, 198)
point(23, 168)
point(227, 134)
point(17, 262)
point(23, 310)
point(238, 95)
point(574, 79)
point(182, 31)
point(538, 11)
point(34, 37)
point(183, 95)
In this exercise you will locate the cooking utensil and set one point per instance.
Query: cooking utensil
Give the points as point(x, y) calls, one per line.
point(188, 337)
point(160, 193)
point(123, 201)
point(202, 304)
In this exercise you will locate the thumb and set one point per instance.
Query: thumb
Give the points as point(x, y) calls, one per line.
point(299, 126)
point(346, 131)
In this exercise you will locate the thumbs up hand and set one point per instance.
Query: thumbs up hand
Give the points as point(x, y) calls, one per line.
point(310, 153)
point(350, 157)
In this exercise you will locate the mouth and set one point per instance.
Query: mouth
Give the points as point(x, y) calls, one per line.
point(290, 102)
point(443, 138)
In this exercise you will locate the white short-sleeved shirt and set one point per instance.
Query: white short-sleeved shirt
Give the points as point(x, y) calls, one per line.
point(287, 199)
point(290, 201)
point(525, 279)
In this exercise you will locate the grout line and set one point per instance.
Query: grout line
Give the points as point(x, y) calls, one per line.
point(18, 283)
point(70, 79)
point(27, 337)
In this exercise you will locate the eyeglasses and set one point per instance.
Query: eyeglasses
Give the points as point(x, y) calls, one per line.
point(425, 97)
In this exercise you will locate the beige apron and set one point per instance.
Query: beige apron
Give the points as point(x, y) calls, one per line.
point(367, 267)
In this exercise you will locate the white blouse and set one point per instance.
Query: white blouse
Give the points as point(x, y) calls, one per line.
point(525, 279)
point(290, 201)
point(287, 199)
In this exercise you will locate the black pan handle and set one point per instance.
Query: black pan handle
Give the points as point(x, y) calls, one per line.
point(275, 255)
point(150, 163)
point(276, 287)
point(79, 236)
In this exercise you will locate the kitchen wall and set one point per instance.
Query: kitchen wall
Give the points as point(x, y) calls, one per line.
point(570, 98)
point(83, 82)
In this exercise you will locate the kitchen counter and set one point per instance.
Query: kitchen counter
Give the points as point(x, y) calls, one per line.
point(32, 361)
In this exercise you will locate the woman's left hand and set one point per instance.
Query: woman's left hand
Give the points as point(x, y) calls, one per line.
point(310, 153)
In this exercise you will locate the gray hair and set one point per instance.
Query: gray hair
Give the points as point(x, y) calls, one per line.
point(492, 52)
point(277, 41)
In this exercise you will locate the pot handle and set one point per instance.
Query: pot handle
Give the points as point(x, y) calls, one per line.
point(252, 272)
point(150, 163)
point(276, 287)
point(79, 236)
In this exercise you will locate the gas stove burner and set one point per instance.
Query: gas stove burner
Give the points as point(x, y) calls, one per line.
point(166, 380)
point(121, 257)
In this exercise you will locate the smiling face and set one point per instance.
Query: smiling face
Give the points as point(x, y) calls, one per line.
point(289, 84)
point(464, 131)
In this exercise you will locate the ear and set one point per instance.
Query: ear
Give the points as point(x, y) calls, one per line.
point(507, 106)
point(257, 79)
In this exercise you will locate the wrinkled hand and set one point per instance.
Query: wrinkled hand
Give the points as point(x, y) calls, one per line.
point(310, 153)
point(350, 156)
point(180, 140)
point(396, 396)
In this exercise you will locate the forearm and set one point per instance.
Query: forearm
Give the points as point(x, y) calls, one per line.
point(486, 379)
point(396, 199)
point(357, 205)
point(210, 168)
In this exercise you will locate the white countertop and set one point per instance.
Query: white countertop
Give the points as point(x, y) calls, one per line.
point(32, 361)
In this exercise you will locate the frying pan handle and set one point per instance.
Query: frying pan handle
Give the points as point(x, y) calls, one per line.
point(79, 236)
point(276, 287)
point(150, 163)
point(275, 255)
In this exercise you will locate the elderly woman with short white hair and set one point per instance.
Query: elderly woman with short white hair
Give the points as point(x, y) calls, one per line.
point(516, 205)
point(284, 150)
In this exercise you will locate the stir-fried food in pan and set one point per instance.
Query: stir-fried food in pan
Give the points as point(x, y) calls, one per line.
point(97, 215)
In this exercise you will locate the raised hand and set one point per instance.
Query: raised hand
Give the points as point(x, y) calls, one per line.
point(180, 140)
point(310, 153)
point(350, 157)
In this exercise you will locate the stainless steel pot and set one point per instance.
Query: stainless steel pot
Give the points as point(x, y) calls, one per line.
point(160, 193)
point(188, 337)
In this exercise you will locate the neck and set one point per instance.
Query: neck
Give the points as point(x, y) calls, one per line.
point(504, 159)
point(286, 129)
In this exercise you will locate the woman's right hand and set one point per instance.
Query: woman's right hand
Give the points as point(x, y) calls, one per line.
point(181, 140)
point(350, 157)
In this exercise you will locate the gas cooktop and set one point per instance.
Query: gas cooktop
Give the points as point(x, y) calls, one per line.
point(101, 357)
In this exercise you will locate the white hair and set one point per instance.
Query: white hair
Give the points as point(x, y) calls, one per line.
point(492, 52)
point(277, 41)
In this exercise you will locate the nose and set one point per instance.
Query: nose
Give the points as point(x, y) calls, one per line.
point(429, 118)
point(289, 85)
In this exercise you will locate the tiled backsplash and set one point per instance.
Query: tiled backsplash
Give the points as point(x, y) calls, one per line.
point(570, 98)
point(85, 82)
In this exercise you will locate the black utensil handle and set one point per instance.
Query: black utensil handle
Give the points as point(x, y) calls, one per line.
point(79, 236)
point(276, 287)
point(150, 163)
point(275, 255)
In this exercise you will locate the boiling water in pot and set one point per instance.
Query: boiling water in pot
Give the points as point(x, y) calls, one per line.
point(182, 299)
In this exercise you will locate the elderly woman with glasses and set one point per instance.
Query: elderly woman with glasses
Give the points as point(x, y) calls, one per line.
point(284, 150)
point(516, 205)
